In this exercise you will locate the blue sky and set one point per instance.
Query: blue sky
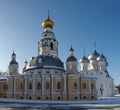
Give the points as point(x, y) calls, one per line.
point(79, 23)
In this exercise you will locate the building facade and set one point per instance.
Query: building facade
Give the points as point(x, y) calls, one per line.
point(96, 65)
point(45, 78)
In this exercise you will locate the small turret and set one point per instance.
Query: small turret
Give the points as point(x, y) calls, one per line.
point(84, 63)
point(13, 65)
point(93, 60)
point(102, 62)
point(25, 66)
point(71, 62)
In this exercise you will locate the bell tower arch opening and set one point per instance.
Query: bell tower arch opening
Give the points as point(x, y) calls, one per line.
point(51, 46)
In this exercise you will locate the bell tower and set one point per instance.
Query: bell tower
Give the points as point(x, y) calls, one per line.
point(13, 65)
point(48, 43)
point(71, 62)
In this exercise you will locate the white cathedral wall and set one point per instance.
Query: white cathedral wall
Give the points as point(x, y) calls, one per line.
point(108, 83)
point(110, 87)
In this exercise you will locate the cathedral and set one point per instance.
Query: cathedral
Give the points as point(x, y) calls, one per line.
point(45, 78)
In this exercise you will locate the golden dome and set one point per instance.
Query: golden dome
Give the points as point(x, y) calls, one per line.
point(48, 22)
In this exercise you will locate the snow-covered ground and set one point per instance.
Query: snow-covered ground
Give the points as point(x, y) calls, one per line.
point(108, 102)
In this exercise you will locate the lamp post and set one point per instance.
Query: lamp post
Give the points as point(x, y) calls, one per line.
point(101, 90)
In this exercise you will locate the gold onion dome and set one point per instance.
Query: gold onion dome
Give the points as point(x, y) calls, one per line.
point(48, 22)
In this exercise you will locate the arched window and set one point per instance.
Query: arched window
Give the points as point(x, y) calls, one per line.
point(30, 97)
point(47, 98)
point(30, 85)
point(47, 85)
point(21, 97)
point(51, 46)
point(75, 97)
point(38, 85)
point(84, 86)
point(4, 96)
point(75, 85)
point(58, 85)
point(84, 97)
point(38, 98)
point(92, 97)
point(59, 98)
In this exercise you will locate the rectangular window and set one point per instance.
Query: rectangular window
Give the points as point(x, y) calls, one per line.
point(92, 86)
point(58, 85)
point(30, 85)
point(84, 86)
point(38, 85)
point(75, 86)
point(5, 87)
point(21, 86)
point(47, 85)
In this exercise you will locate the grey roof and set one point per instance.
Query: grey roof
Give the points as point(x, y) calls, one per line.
point(45, 61)
point(108, 76)
point(84, 59)
point(71, 58)
point(13, 62)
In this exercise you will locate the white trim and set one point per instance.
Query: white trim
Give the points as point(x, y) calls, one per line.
point(52, 84)
point(64, 84)
point(14, 84)
point(42, 84)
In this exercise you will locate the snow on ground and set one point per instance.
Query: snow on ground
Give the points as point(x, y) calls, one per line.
point(106, 102)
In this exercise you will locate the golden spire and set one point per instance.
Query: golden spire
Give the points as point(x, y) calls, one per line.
point(48, 22)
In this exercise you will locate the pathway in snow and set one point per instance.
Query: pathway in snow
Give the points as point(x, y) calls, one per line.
point(106, 103)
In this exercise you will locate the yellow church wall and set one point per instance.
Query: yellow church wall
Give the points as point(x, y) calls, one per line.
point(38, 80)
point(74, 67)
point(94, 82)
point(89, 96)
point(72, 92)
point(85, 81)
point(47, 80)
point(38, 95)
point(56, 80)
point(10, 84)
point(72, 97)
point(45, 96)
point(10, 96)
point(19, 80)
point(85, 95)
point(55, 97)
point(3, 90)
point(27, 96)
point(15, 70)
point(64, 97)
point(71, 80)
point(29, 80)
point(67, 67)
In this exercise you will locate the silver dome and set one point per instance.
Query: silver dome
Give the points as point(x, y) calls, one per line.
point(94, 55)
point(84, 60)
point(101, 58)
